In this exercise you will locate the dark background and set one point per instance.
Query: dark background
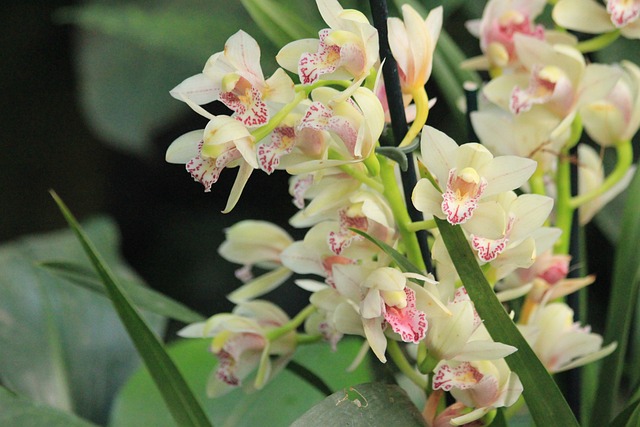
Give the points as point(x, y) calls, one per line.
point(170, 228)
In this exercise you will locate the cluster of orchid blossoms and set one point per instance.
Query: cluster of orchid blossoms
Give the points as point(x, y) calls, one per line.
point(511, 193)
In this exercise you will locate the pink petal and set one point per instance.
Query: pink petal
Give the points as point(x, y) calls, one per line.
point(312, 65)
point(343, 127)
point(248, 106)
point(488, 249)
point(409, 322)
point(461, 198)
point(299, 189)
point(204, 170)
point(623, 12)
point(229, 357)
point(316, 117)
point(462, 376)
point(283, 140)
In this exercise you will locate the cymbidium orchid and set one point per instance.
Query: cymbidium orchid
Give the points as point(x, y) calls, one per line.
point(559, 342)
point(591, 17)
point(258, 243)
point(224, 143)
point(348, 49)
point(383, 296)
point(615, 118)
point(501, 20)
point(555, 77)
point(465, 174)
point(591, 178)
point(241, 342)
point(234, 77)
point(482, 385)
point(413, 41)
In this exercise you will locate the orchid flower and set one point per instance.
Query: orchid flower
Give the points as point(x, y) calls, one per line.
point(482, 385)
point(383, 296)
point(615, 118)
point(560, 343)
point(234, 77)
point(556, 78)
point(256, 243)
point(501, 20)
point(461, 336)
point(241, 345)
point(224, 143)
point(348, 49)
point(589, 16)
point(466, 173)
point(412, 41)
point(590, 177)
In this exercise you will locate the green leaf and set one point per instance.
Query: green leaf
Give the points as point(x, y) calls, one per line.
point(280, 24)
point(61, 345)
point(622, 304)
point(18, 411)
point(367, 405)
point(184, 406)
point(396, 154)
point(142, 296)
point(403, 263)
point(629, 417)
point(544, 399)
point(282, 400)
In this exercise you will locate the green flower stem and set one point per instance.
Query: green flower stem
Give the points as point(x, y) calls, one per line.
point(392, 191)
point(427, 224)
point(421, 100)
point(393, 349)
point(599, 42)
point(265, 130)
point(307, 89)
point(292, 325)
point(624, 151)
point(564, 210)
point(308, 339)
point(564, 213)
point(537, 182)
point(360, 175)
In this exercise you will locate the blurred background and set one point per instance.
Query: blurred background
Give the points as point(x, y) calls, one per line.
point(86, 112)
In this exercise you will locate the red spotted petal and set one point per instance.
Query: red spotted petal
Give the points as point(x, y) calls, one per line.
point(282, 143)
point(461, 376)
point(248, 106)
point(325, 60)
point(409, 322)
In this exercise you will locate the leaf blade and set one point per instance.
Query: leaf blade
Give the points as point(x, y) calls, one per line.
point(544, 399)
point(184, 406)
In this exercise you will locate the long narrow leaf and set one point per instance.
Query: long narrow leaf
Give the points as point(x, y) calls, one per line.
point(278, 22)
point(624, 296)
point(142, 297)
point(545, 401)
point(403, 263)
point(179, 398)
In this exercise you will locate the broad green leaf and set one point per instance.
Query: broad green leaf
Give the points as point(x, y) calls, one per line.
point(18, 411)
point(366, 405)
point(183, 405)
point(622, 303)
point(282, 400)
point(142, 296)
point(131, 54)
point(60, 345)
point(545, 401)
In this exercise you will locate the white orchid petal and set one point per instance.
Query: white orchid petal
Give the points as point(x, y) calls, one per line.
point(185, 147)
point(260, 285)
